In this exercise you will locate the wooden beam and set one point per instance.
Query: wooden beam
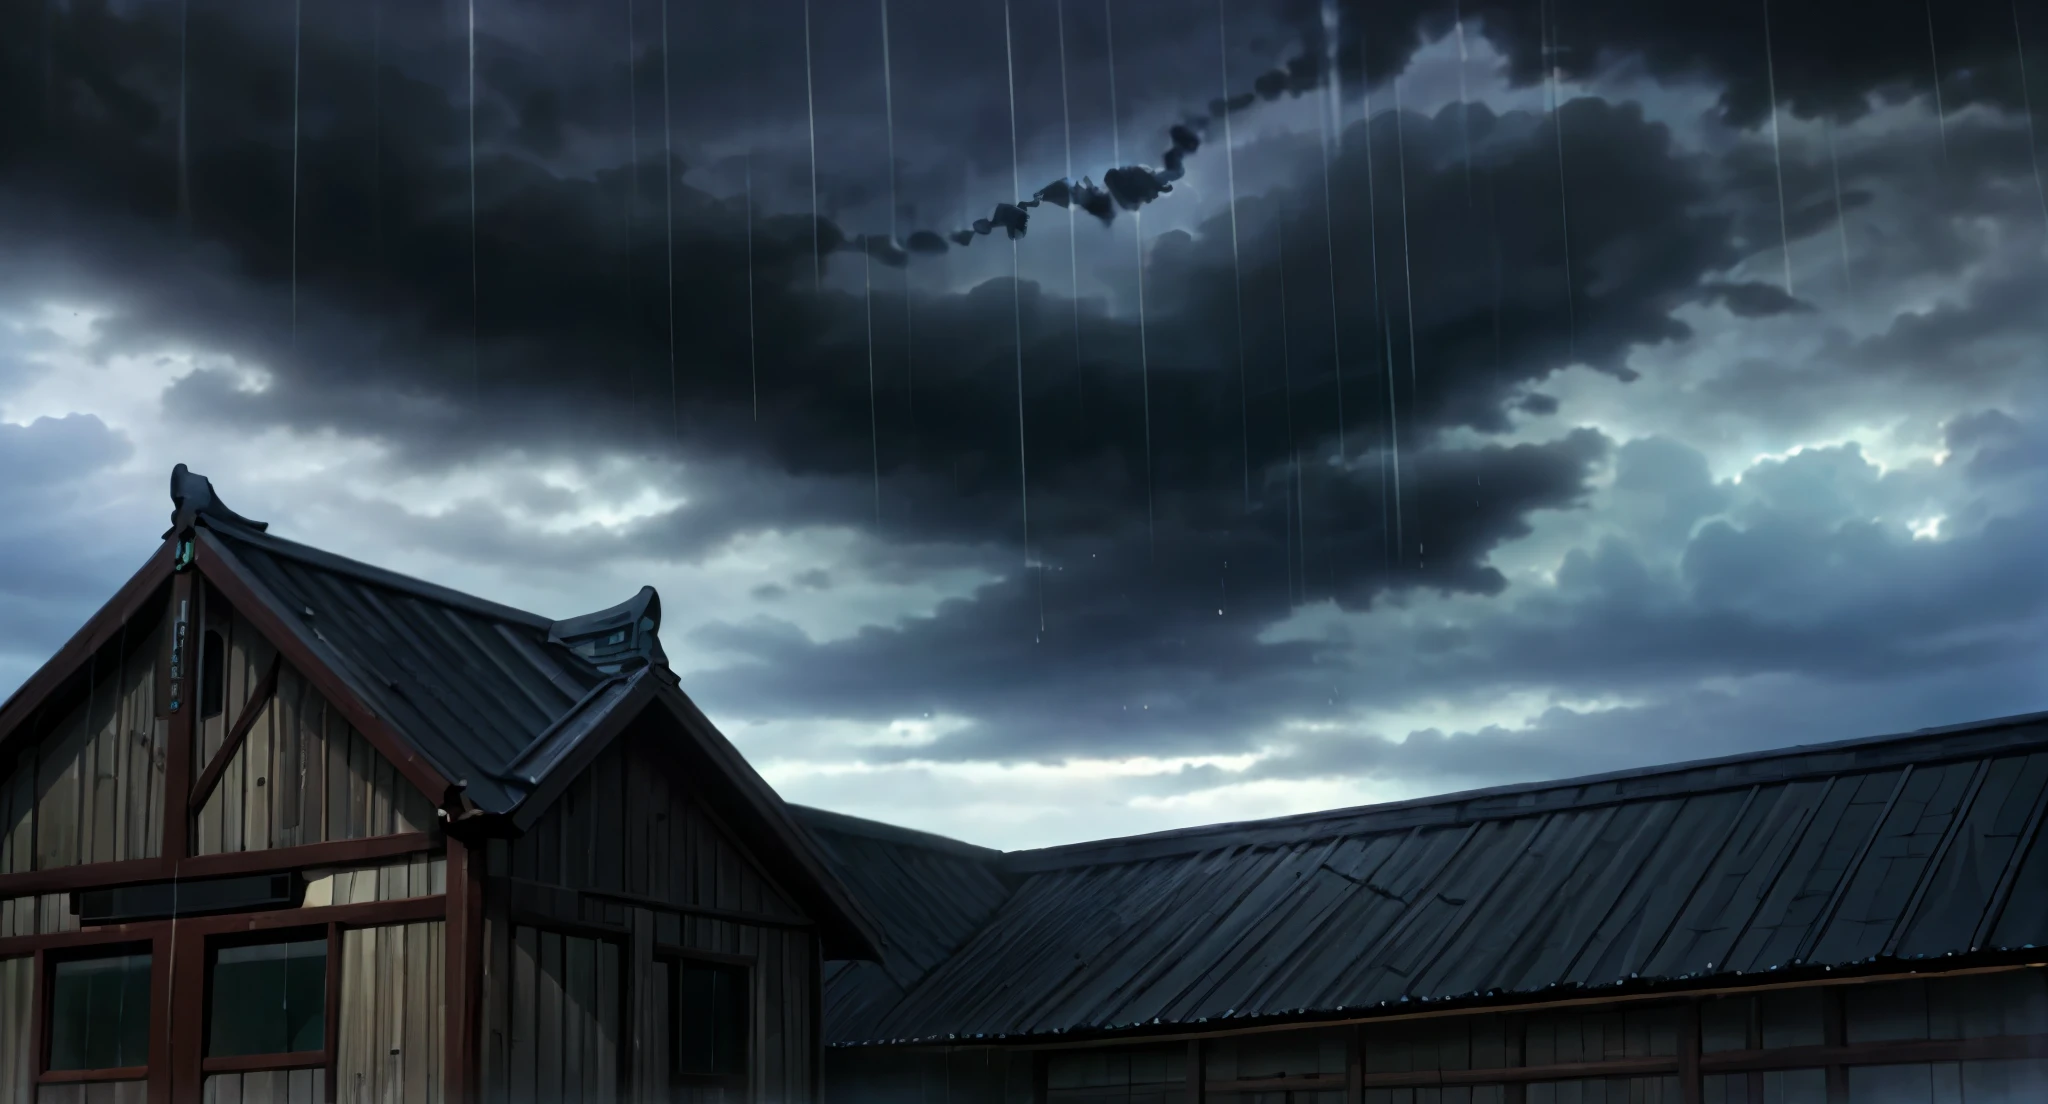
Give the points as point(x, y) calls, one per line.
point(1834, 1027)
point(261, 1063)
point(1691, 1090)
point(102, 627)
point(1892, 1052)
point(1196, 1073)
point(73, 1077)
point(161, 1037)
point(275, 860)
point(186, 608)
point(258, 700)
point(253, 600)
point(332, 1039)
point(360, 915)
point(40, 1015)
point(188, 1009)
point(464, 963)
point(1354, 1065)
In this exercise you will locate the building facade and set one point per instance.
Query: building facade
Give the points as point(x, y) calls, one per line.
point(281, 828)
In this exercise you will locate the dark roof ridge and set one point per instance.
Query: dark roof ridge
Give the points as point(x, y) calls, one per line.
point(891, 833)
point(1334, 822)
point(377, 576)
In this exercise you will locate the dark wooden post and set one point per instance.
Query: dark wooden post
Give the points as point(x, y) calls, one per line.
point(1690, 1088)
point(464, 956)
point(1835, 1035)
point(1354, 1065)
point(179, 685)
point(1197, 1074)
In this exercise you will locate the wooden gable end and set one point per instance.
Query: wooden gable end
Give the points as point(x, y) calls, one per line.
point(630, 825)
point(276, 765)
point(84, 780)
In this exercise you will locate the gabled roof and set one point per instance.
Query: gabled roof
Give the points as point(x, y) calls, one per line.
point(928, 894)
point(1895, 849)
point(488, 709)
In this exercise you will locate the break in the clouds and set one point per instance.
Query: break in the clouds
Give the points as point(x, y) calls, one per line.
point(1378, 399)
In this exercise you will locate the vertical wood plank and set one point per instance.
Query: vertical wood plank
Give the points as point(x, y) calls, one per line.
point(524, 1014)
point(548, 1020)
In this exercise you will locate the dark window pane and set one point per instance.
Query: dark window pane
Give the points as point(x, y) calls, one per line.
point(99, 1013)
point(710, 1019)
point(213, 674)
point(269, 999)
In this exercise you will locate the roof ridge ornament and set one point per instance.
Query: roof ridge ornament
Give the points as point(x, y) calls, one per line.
point(623, 637)
point(193, 497)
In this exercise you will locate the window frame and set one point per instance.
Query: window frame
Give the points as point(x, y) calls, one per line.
point(322, 1059)
point(45, 1008)
point(673, 959)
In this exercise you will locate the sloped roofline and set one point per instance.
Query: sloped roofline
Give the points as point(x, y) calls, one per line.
point(892, 833)
point(303, 647)
point(1974, 739)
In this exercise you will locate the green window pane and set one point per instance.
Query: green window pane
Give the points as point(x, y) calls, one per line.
point(99, 1013)
point(710, 1019)
point(269, 999)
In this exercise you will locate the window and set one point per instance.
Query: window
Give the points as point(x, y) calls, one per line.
point(708, 1008)
point(213, 674)
point(268, 998)
point(99, 1013)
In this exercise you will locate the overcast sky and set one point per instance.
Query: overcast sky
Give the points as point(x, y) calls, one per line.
point(1425, 435)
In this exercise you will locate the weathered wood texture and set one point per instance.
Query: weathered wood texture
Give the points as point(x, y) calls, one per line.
point(90, 788)
point(393, 1001)
point(17, 1030)
point(94, 1092)
point(418, 876)
point(306, 1086)
point(301, 775)
point(42, 915)
point(564, 1024)
point(628, 827)
point(530, 1025)
point(625, 825)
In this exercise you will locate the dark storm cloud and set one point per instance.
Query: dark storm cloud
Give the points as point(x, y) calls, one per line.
point(1144, 649)
point(1157, 496)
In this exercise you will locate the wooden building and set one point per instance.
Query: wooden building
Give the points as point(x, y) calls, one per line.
point(281, 828)
point(1854, 923)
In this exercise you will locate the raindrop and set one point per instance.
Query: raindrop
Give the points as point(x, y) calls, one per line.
point(668, 176)
point(1777, 154)
point(1236, 262)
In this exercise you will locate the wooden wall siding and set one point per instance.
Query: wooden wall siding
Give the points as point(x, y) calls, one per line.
point(301, 775)
point(624, 825)
point(44, 915)
point(17, 1030)
point(418, 876)
point(970, 1075)
point(393, 1010)
point(780, 1046)
point(305, 1086)
point(564, 1021)
point(91, 788)
point(95, 1092)
point(248, 656)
